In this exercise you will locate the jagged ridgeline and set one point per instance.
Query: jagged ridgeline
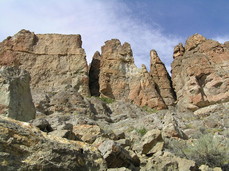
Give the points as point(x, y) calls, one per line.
point(110, 114)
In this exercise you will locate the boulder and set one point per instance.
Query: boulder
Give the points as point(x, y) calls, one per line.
point(87, 133)
point(15, 96)
point(168, 161)
point(150, 143)
point(162, 79)
point(200, 73)
point(115, 155)
point(120, 79)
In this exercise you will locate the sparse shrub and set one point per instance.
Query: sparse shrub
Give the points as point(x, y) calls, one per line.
point(208, 150)
point(149, 110)
point(141, 131)
point(106, 100)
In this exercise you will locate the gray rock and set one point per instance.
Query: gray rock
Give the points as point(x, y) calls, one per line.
point(42, 124)
point(24, 147)
point(151, 142)
point(64, 134)
point(115, 155)
point(15, 96)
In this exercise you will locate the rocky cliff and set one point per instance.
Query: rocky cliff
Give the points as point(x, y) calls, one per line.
point(54, 61)
point(120, 79)
point(200, 73)
point(121, 128)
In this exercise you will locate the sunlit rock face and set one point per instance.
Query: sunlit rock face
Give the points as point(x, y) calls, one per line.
point(200, 73)
point(54, 61)
point(162, 79)
point(120, 79)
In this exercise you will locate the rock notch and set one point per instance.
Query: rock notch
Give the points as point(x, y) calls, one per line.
point(200, 73)
point(15, 96)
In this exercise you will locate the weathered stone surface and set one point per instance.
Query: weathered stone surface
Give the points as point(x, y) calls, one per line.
point(120, 79)
point(87, 133)
point(54, 61)
point(170, 162)
point(94, 71)
point(15, 96)
point(68, 134)
point(151, 142)
point(115, 155)
point(24, 147)
point(161, 78)
point(200, 73)
point(171, 128)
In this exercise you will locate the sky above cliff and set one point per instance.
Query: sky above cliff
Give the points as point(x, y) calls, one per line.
point(145, 24)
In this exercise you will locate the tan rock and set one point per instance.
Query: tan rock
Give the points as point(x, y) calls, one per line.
point(31, 149)
point(120, 79)
point(150, 143)
point(161, 78)
point(87, 133)
point(200, 76)
point(54, 61)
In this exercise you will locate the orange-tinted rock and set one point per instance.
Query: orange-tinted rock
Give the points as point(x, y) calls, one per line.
point(120, 79)
point(200, 76)
point(54, 61)
point(161, 78)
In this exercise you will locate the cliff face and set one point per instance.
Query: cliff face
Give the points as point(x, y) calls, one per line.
point(120, 79)
point(74, 131)
point(162, 79)
point(200, 73)
point(54, 61)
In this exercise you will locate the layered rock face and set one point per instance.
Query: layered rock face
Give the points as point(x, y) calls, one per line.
point(162, 79)
point(200, 73)
point(15, 96)
point(54, 61)
point(120, 79)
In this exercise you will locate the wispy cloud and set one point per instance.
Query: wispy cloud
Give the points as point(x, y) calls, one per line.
point(222, 38)
point(96, 20)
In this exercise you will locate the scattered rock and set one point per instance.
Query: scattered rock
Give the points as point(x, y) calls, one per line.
point(24, 147)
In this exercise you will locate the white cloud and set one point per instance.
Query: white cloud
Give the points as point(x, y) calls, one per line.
point(222, 39)
point(96, 20)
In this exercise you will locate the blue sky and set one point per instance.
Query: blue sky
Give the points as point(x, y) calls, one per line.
point(145, 24)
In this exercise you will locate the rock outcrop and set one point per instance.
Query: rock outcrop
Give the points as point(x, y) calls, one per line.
point(162, 79)
point(25, 147)
point(120, 79)
point(54, 61)
point(15, 96)
point(200, 73)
